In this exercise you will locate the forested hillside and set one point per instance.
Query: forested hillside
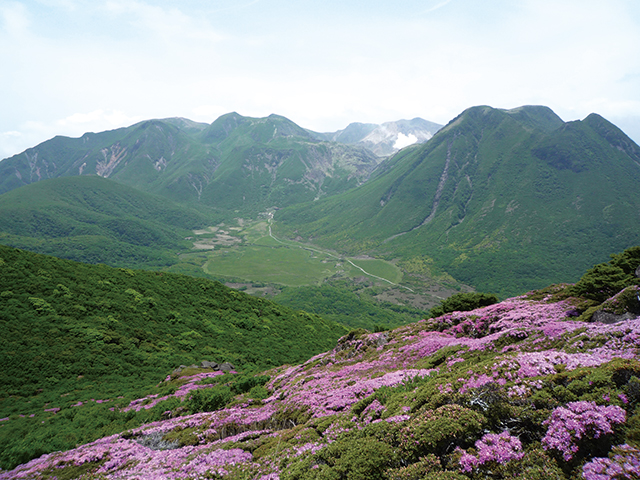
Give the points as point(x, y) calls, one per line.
point(74, 332)
point(95, 220)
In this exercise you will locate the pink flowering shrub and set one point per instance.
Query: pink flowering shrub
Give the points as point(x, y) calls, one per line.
point(395, 409)
point(572, 425)
point(492, 448)
point(623, 464)
point(373, 411)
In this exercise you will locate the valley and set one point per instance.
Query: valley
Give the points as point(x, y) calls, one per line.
point(245, 254)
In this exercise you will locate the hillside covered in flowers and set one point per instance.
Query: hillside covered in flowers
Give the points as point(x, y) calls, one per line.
point(536, 387)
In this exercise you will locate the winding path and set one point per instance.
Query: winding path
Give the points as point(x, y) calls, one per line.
point(336, 257)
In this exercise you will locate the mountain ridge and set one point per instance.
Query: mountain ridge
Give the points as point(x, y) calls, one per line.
point(387, 138)
point(489, 186)
point(279, 161)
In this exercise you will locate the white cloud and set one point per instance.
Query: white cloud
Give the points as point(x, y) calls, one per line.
point(167, 23)
point(80, 123)
point(405, 140)
point(436, 7)
point(15, 18)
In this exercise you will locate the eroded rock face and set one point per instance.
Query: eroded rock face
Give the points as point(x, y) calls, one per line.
point(605, 317)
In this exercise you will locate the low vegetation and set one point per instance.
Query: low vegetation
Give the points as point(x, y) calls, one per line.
point(526, 387)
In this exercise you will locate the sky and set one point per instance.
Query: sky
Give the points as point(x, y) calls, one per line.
point(75, 66)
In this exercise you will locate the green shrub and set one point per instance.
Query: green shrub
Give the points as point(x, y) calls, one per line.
point(416, 471)
point(435, 431)
point(463, 302)
point(606, 279)
point(209, 399)
point(348, 459)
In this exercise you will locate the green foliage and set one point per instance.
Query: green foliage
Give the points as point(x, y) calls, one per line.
point(350, 458)
point(416, 471)
point(498, 184)
point(348, 305)
point(209, 400)
point(435, 430)
point(95, 220)
point(224, 390)
point(75, 332)
point(606, 279)
point(464, 302)
point(535, 465)
point(601, 282)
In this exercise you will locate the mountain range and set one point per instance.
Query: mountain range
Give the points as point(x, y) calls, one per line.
point(107, 373)
point(495, 194)
point(387, 138)
point(503, 200)
point(236, 163)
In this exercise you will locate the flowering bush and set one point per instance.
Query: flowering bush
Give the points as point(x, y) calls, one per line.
point(492, 448)
point(623, 464)
point(570, 426)
point(397, 409)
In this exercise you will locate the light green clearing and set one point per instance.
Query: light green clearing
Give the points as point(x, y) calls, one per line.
point(380, 268)
point(263, 259)
point(286, 266)
point(292, 266)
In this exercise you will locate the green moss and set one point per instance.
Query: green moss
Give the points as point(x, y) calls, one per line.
point(184, 436)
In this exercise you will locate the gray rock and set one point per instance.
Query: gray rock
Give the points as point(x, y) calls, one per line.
point(207, 364)
point(638, 271)
point(383, 339)
point(226, 367)
point(154, 441)
point(605, 317)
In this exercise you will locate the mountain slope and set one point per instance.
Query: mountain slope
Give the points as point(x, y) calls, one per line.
point(521, 388)
point(504, 200)
point(76, 333)
point(236, 163)
point(96, 220)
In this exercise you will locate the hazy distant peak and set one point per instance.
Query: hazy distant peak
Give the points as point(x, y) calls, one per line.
point(386, 138)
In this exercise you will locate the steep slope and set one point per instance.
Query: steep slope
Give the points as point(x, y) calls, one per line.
point(96, 220)
point(503, 200)
point(273, 162)
point(387, 138)
point(75, 333)
point(518, 389)
point(236, 163)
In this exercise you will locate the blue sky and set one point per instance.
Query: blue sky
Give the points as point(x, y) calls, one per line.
point(71, 66)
